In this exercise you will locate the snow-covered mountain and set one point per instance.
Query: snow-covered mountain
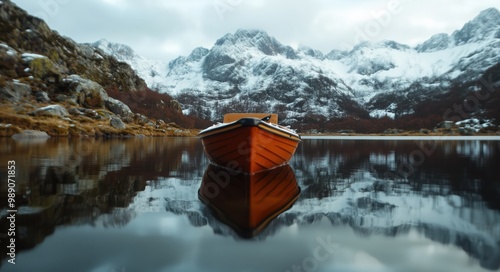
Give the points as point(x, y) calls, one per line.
point(252, 71)
point(152, 71)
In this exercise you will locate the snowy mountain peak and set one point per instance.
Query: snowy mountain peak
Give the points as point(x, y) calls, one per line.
point(491, 14)
point(370, 45)
point(247, 39)
point(336, 54)
point(197, 54)
point(121, 52)
point(484, 26)
point(435, 43)
point(308, 51)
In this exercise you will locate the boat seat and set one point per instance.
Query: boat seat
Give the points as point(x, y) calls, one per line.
point(231, 117)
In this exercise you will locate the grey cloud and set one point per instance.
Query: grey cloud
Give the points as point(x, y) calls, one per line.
point(150, 26)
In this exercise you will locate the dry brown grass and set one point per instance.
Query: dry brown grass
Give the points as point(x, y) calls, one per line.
point(15, 119)
point(6, 131)
point(53, 126)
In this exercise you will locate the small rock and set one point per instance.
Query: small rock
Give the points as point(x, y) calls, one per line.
point(141, 119)
point(61, 98)
point(75, 111)
point(392, 131)
point(117, 123)
point(90, 113)
point(160, 122)
point(42, 97)
point(104, 115)
point(465, 131)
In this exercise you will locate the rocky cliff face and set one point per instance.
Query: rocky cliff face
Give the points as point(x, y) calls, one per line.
point(40, 69)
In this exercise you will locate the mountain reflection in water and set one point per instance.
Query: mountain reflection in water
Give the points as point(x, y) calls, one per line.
point(377, 188)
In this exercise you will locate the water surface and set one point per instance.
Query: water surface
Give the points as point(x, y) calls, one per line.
point(365, 205)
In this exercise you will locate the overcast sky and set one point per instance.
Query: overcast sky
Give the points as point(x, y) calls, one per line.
point(165, 29)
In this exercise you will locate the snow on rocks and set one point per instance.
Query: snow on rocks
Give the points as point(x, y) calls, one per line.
point(51, 110)
point(27, 57)
point(10, 51)
point(474, 125)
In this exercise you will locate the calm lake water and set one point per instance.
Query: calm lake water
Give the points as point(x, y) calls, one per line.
point(364, 205)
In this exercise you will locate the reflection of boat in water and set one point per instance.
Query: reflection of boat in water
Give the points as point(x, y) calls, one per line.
point(251, 142)
point(248, 203)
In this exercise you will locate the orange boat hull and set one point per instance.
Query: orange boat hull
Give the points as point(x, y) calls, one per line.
point(248, 203)
point(249, 145)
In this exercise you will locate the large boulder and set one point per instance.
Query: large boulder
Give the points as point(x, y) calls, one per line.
point(119, 108)
point(84, 92)
point(51, 110)
point(42, 67)
point(14, 91)
point(90, 94)
point(31, 134)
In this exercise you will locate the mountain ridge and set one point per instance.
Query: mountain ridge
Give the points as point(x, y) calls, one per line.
point(251, 71)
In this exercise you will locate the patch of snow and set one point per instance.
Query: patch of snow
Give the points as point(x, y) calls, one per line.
point(27, 57)
point(382, 113)
point(10, 51)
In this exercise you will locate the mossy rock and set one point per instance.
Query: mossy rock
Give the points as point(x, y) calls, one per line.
point(104, 114)
point(42, 68)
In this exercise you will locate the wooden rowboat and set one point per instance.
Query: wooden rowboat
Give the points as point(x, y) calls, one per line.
point(248, 203)
point(249, 142)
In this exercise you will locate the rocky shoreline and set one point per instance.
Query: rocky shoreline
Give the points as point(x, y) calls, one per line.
point(28, 120)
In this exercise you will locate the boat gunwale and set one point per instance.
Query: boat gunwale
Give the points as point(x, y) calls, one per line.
point(250, 121)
